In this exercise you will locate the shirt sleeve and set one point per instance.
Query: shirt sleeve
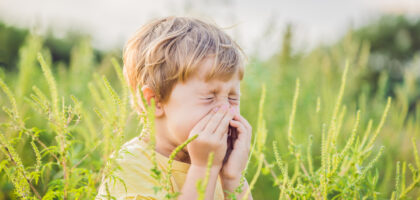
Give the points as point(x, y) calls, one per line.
point(135, 172)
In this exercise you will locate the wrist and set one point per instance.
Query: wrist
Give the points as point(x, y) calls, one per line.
point(230, 183)
point(229, 177)
point(213, 168)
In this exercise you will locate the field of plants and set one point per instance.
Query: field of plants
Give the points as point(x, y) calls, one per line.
point(339, 122)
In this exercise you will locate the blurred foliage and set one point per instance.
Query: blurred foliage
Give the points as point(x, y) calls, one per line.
point(396, 37)
point(394, 43)
point(12, 38)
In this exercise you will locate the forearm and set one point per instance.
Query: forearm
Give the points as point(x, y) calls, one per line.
point(195, 173)
point(231, 185)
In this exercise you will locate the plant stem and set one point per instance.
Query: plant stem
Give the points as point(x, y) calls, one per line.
point(24, 175)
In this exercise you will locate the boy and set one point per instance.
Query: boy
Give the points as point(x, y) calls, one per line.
point(192, 70)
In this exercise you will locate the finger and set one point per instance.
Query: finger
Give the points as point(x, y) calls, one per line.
point(239, 117)
point(215, 120)
point(202, 123)
point(243, 133)
point(239, 126)
point(224, 124)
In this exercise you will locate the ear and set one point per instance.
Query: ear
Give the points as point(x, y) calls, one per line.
point(148, 94)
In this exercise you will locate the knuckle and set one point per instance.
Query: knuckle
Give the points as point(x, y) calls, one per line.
point(210, 141)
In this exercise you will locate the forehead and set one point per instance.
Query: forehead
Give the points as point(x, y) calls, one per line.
point(204, 69)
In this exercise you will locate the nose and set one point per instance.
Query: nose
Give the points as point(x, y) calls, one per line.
point(221, 104)
point(225, 101)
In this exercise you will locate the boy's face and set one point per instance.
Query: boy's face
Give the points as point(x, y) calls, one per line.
point(189, 102)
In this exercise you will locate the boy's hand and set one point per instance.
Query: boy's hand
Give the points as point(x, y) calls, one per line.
point(238, 158)
point(212, 137)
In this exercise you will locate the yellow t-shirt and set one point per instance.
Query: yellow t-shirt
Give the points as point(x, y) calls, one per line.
point(135, 172)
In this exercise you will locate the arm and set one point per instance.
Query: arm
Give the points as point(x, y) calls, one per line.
point(189, 189)
point(212, 137)
point(195, 173)
point(231, 185)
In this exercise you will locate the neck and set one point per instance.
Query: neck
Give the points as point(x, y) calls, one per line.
point(165, 146)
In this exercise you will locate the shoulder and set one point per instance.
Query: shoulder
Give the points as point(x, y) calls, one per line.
point(131, 177)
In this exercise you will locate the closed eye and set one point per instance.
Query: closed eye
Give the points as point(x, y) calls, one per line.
point(211, 98)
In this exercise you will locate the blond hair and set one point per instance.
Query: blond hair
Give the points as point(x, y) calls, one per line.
point(168, 50)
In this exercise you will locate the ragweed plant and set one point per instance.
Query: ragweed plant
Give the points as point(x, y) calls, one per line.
point(346, 173)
